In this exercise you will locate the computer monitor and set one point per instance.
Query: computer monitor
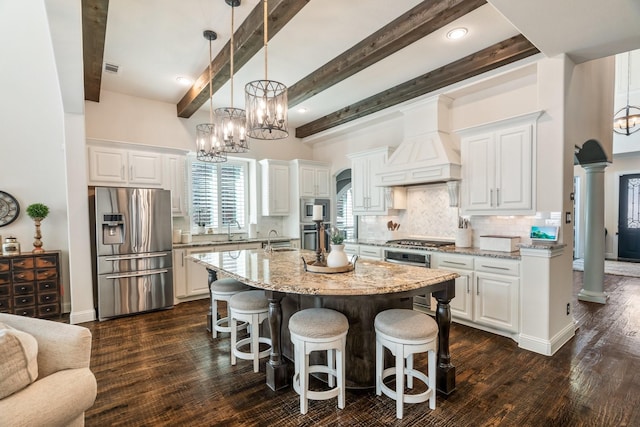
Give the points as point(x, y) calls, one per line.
point(544, 234)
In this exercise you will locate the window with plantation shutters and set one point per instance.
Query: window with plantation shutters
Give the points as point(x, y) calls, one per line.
point(218, 194)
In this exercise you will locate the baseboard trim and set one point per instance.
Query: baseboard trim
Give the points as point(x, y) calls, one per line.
point(547, 347)
point(82, 316)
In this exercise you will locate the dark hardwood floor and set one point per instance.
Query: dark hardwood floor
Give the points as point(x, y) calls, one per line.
point(163, 368)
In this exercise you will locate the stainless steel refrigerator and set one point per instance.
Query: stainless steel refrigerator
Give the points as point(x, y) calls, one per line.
point(132, 250)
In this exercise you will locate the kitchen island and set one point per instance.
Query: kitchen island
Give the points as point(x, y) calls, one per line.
point(360, 294)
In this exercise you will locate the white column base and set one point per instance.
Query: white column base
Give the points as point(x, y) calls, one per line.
point(591, 296)
point(82, 316)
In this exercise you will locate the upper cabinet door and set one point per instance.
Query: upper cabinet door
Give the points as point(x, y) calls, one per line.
point(307, 181)
point(107, 165)
point(513, 174)
point(499, 168)
point(145, 168)
point(478, 159)
point(323, 182)
point(175, 181)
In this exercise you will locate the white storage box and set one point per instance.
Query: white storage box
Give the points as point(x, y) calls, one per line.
point(499, 243)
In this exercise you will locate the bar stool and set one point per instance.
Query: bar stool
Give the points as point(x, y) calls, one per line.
point(251, 307)
point(223, 290)
point(404, 333)
point(319, 329)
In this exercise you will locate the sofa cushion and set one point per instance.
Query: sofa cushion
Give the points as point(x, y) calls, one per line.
point(18, 360)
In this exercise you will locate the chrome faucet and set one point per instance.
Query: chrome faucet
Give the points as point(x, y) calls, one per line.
point(268, 248)
point(229, 228)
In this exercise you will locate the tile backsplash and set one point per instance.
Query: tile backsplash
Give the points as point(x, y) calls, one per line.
point(428, 214)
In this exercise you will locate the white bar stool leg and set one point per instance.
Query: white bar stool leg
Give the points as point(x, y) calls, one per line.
point(399, 380)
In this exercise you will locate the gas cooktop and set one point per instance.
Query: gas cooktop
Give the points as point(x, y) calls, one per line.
point(419, 243)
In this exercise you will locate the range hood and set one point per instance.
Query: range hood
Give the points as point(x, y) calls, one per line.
point(427, 153)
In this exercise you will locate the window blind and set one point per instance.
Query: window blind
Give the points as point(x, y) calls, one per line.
point(218, 194)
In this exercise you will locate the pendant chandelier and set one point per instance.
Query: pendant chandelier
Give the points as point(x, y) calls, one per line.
point(231, 121)
point(209, 147)
point(266, 103)
point(627, 119)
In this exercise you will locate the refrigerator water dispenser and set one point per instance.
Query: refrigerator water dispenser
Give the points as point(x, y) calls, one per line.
point(113, 229)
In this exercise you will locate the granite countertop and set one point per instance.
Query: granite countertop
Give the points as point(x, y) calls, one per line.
point(283, 271)
point(451, 249)
point(231, 242)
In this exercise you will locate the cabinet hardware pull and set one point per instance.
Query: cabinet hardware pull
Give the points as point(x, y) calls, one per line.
point(497, 197)
point(495, 268)
point(122, 172)
point(468, 290)
point(477, 286)
point(491, 197)
point(453, 262)
point(183, 253)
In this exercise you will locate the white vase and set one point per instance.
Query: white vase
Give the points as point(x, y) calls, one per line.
point(337, 257)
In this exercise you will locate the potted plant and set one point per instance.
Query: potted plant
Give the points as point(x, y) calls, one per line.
point(337, 257)
point(37, 212)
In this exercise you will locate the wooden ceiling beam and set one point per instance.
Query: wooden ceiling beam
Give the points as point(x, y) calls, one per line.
point(249, 40)
point(94, 30)
point(490, 58)
point(413, 25)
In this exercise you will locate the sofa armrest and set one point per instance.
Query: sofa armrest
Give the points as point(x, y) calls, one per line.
point(60, 345)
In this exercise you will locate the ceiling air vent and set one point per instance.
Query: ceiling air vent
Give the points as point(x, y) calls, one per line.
point(111, 68)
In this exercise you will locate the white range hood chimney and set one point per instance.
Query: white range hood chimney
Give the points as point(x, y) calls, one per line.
point(427, 153)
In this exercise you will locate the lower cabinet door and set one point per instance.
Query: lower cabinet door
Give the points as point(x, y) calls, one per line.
point(496, 301)
point(462, 304)
point(197, 276)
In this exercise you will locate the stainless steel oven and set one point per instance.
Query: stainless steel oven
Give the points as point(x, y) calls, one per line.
point(309, 236)
point(415, 258)
point(306, 209)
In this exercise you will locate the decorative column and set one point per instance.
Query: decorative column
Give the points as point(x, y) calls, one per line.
point(593, 283)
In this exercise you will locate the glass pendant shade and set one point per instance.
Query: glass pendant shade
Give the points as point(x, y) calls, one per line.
point(266, 103)
point(627, 119)
point(231, 121)
point(231, 129)
point(208, 144)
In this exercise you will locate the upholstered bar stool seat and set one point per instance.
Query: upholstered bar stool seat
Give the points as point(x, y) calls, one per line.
point(319, 329)
point(251, 307)
point(405, 333)
point(223, 290)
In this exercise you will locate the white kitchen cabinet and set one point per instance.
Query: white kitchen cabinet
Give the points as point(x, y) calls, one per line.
point(145, 168)
point(190, 279)
point(314, 179)
point(275, 187)
point(498, 165)
point(462, 304)
point(351, 249)
point(179, 273)
point(370, 252)
point(127, 167)
point(175, 181)
point(497, 293)
point(367, 198)
point(107, 166)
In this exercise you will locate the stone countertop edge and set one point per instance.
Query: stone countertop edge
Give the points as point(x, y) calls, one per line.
point(230, 242)
point(286, 274)
point(452, 249)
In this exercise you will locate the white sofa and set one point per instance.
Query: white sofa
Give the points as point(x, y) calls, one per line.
point(64, 388)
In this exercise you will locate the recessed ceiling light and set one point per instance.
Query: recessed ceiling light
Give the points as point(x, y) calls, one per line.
point(184, 81)
point(302, 110)
point(457, 33)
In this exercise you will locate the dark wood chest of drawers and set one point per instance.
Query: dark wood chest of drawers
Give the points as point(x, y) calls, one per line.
point(30, 284)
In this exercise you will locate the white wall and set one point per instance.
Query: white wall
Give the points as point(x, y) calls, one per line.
point(129, 119)
point(32, 122)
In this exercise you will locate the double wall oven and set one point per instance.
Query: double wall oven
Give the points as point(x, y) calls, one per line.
point(412, 252)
